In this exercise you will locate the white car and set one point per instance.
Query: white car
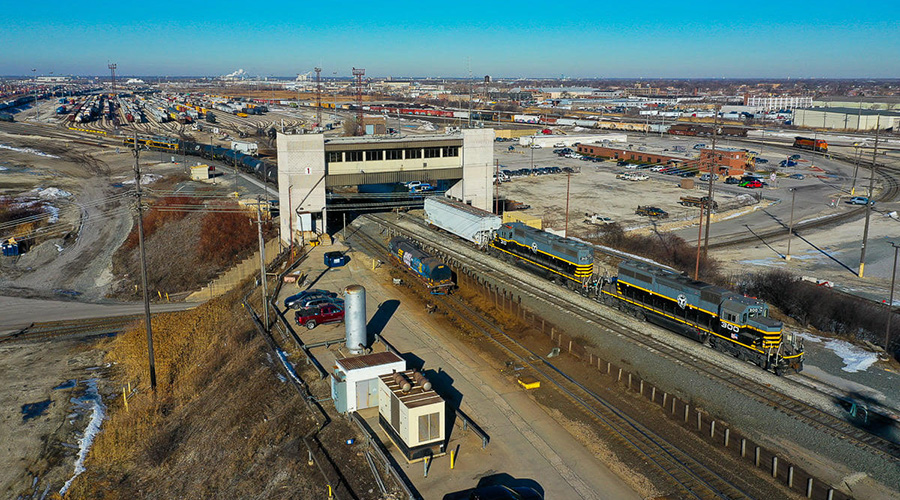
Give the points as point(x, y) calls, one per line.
point(536, 146)
point(631, 166)
point(597, 219)
point(657, 168)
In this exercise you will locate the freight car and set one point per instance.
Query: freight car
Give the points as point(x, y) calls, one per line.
point(563, 260)
point(727, 321)
point(812, 144)
point(434, 273)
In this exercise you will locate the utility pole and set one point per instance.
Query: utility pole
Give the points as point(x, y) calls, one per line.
point(709, 196)
point(855, 172)
point(34, 91)
point(890, 305)
point(497, 186)
point(318, 97)
point(140, 221)
point(262, 261)
point(862, 255)
point(568, 183)
point(699, 234)
point(787, 256)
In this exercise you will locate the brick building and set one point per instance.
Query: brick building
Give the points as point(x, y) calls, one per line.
point(629, 155)
point(732, 162)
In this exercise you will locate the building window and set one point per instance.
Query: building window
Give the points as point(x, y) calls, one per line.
point(432, 152)
point(393, 154)
point(335, 157)
point(373, 155)
point(429, 427)
point(413, 153)
point(354, 155)
point(450, 151)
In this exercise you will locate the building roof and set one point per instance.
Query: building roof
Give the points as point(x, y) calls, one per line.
point(888, 99)
point(369, 139)
point(417, 396)
point(851, 111)
point(368, 360)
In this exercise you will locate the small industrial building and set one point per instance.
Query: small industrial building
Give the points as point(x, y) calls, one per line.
point(728, 161)
point(628, 154)
point(311, 167)
point(846, 118)
point(412, 414)
point(354, 380)
point(201, 172)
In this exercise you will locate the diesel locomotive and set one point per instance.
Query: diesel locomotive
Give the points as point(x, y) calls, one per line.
point(436, 276)
point(727, 321)
point(563, 260)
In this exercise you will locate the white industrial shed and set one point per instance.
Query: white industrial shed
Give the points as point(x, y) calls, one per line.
point(354, 380)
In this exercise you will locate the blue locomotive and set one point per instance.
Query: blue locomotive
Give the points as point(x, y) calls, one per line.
point(434, 273)
point(727, 321)
point(563, 260)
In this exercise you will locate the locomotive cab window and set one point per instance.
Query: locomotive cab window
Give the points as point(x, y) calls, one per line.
point(744, 318)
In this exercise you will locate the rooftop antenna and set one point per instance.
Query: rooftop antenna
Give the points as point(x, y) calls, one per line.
point(358, 73)
point(469, 67)
point(318, 96)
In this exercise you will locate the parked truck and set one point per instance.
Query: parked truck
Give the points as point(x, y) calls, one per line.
point(698, 201)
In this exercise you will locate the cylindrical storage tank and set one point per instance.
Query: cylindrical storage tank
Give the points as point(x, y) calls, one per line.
point(355, 319)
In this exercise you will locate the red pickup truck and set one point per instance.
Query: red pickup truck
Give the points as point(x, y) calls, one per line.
point(317, 315)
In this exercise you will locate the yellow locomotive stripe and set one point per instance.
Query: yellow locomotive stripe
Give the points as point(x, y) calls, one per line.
point(535, 263)
point(545, 253)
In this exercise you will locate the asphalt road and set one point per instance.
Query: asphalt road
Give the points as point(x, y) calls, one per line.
point(17, 313)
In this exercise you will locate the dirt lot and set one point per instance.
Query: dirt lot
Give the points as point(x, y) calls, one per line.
point(38, 452)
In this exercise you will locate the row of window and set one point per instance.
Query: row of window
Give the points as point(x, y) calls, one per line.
point(392, 154)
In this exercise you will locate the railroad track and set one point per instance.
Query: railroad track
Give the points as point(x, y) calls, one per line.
point(687, 477)
point(890, 192)
point(581, 307)
point(56, 330)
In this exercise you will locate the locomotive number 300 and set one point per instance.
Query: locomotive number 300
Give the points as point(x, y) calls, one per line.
point(729, 326)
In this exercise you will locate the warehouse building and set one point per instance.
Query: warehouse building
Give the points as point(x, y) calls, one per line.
point(728, 161)
point(629, 155)
point(311, 167)
point(845, 118)
point(775, 103)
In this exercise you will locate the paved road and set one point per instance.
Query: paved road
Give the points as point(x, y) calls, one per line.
point(17, 313)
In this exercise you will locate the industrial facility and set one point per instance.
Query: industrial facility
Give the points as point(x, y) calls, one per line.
point(312, 166)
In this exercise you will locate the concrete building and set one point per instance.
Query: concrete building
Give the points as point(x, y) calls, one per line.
point(354, 380)
point(845, 118)
point(311, 165)
point(774, 103)
point(886, 103)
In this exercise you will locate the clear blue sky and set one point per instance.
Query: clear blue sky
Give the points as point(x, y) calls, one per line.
point(532, 39)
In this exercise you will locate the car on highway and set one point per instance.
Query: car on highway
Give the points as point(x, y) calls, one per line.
point(295, 301)
point(311, 317)
point(860, 200)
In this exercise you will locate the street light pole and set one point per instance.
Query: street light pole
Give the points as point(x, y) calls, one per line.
point(890, 305)
point(787, 256)
point(140, 221)
point(862, 254)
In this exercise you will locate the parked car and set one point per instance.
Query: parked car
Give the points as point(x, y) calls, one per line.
point(787, 163)
point(657, 168)
point(794, 157)
point(732, 180)
point(568, 170)
point(860, 200)
point(310, 317)
point(705, 177)
point(621, 163)
point(648, 211)
point(796, 176)
point(294, 301)
point(762, 160)
point(699, 146)
point(751, 184)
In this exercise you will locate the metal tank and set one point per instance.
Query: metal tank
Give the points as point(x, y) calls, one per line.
point(355, 319)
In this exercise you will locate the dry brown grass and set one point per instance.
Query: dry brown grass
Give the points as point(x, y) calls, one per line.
point(220, 424)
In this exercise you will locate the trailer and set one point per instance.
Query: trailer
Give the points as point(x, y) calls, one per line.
point(465, 221)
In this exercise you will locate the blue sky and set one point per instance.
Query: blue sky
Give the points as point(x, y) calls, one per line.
point(531, 39)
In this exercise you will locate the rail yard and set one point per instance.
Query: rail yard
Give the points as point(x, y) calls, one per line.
point(541, 274)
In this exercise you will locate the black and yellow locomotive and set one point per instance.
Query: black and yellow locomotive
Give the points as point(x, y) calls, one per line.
point(727, 321)
point(563, 260)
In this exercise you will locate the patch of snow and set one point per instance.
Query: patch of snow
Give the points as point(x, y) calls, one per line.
point(54, 213)
point(856, 359)
point(3, 168)
point(59, 247)
point(28, 150)
point(288, 366)
point(145, 179)
point(92, 400)
point(281, 377)
point(49, 193)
